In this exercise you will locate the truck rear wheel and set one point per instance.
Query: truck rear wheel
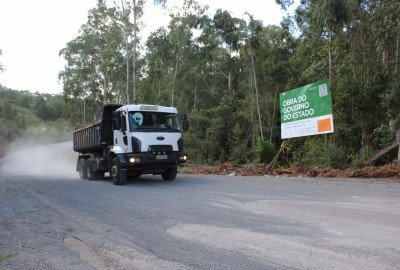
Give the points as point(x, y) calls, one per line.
point(82, 168)
point(91, 173)
point(116, 174)
point(89, 169)
point(170, 174)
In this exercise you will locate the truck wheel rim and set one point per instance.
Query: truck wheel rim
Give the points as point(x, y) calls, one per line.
point(114, 171)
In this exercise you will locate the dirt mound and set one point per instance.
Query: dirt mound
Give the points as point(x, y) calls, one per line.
point(227, 168)
point(387, 171)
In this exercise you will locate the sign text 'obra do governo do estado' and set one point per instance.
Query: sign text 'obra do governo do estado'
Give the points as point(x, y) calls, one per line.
point(306, 111)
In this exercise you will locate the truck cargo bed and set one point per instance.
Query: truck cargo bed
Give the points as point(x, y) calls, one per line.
point(88, 139)
point(94, 138)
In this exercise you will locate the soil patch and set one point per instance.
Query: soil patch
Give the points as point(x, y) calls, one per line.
point(384, 172)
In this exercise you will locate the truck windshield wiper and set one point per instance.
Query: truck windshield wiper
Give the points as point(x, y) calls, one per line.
point(143, 128)
point(172, 130)
point(155, 129)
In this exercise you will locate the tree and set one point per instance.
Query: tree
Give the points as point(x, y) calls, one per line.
point(95, 57)
point(137, 12)
point(254, 77)
point(230, 31)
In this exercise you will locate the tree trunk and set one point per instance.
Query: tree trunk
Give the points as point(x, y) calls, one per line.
point(195, 97)
point(256, 88)
point(84, 112)
point(127, 56)
point(273, 115)
point(230, 82)
point(330, 58)
point(105, 86)
point(174, 80)
point(127, 71)
point(134, 50)
point(153, 87)
point(253, 139)
point(397, 55)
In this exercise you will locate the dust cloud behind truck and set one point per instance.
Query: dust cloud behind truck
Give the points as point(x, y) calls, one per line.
point(131, 140)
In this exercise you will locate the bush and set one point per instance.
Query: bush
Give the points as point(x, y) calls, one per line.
point(383, 137)
point(320, 152)
point(364, 153)
point(265, 151)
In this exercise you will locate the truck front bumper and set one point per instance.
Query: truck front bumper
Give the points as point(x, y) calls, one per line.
point(149, 163)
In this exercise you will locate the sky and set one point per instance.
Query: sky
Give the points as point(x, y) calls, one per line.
point(33, 32)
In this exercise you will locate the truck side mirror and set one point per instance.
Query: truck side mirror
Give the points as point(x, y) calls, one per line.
point(116, 124)
point(185, 122)
point(123, 123)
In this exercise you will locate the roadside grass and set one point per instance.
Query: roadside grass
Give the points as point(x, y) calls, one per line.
point(7, 256)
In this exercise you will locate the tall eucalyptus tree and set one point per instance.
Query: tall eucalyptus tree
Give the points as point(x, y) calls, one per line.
point(95, 57)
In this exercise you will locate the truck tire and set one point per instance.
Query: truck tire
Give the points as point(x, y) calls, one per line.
point(116, 173)
point(170, 174)
point(89, 169)
point(91, 173)
point(82, 168)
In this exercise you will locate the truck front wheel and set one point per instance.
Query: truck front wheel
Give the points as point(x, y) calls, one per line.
point(170, 174)
point(116, 174)
point(82, 168)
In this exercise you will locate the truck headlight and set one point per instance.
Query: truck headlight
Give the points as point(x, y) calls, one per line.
point(134, 160)
point(183, 158)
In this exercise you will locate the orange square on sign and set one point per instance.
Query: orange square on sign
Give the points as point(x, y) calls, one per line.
point(324, 125)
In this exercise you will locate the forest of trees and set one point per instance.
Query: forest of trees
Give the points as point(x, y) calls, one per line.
point(227, 74)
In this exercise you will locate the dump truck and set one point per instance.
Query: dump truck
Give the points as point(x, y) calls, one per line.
point(131, 140)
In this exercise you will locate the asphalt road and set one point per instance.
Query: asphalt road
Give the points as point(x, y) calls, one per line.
point(198, 222)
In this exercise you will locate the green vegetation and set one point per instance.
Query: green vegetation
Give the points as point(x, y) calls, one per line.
point(227, 74)
point(319, 151)
point(266, 151)
point(34, 117)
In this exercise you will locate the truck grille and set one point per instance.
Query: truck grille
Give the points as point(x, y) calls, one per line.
point(160, 149)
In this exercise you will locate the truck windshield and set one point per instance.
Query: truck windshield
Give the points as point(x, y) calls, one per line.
point(153, 122)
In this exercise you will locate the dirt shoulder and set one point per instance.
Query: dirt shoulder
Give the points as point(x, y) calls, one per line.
point(380, 172)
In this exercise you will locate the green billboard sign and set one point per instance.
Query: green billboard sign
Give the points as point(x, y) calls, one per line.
point(306, 110)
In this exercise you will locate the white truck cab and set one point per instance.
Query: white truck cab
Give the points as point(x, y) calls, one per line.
point(146, 125)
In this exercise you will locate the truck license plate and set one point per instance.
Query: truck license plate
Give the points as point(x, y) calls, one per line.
point(161, 157)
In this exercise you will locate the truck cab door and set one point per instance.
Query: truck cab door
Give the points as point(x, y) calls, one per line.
point(120, 131)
